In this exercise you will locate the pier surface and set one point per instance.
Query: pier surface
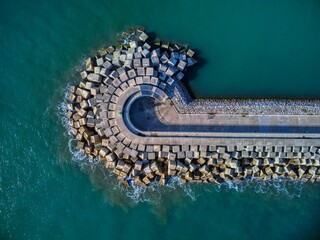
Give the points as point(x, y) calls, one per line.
point(164, 120)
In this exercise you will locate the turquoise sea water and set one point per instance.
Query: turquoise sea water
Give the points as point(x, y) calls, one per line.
point(48, 191)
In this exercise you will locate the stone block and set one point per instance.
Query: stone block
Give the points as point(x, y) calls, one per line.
point(155, 60)
point(89, 64)
point(182, 65)
point(187, 161)
point(109, 57)
point(151, 156)
point(154, 81)
point(138, 165)
point(143, 37)
point(245, 154)
point(226, 156)
point(189, 154)
point(204, 169)
point(181, 155)
point(165, 148)
point(190, 53)
point(124, 86)
point(157, 148)
point(118, 92)
point(131, 82)
point(201, 161)
point(288, 149)
point(145, 62)
point(136, 62)
point(128, 63)
point(192, 167)
point(170, 71)
point(145, 53)
point(132, 73)
point(123, 77)
point(170, 81)
point(176, 148)
point(314, 149)
point(179, 76)
point(146, 79)
point(140, 71)
point(149, 71)
point(234, 164)
point(211, 162)
point(141, 147)
point(172, 156)
point(94, 77)
point(133, 44)
point(305, 149)
point(221, 150)
point(111, 114)
point(162, 68)
point(191, 62)
point(111, 157)
point(249, 148)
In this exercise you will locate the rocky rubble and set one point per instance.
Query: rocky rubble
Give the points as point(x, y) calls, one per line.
point(141, 67)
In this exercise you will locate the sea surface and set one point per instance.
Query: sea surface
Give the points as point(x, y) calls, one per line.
point(252, 48)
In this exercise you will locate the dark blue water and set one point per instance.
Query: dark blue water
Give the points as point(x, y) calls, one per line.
point(48, 191)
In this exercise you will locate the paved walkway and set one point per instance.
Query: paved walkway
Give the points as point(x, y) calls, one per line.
point(162, 124)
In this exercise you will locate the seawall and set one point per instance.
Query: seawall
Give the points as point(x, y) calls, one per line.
point(203, 140)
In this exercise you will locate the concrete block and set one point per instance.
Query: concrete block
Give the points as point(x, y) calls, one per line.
point(172, 62)
point(154, 81)
point(123, 77)
point(191, 62)
point(141, 147)
point(132, 73)
point(162, 68)
point(190, 154)
point(170, 81)
point(128, 63)
point(169, 72)
point(146, 79)
point(143, 37)
point(193, 167)
point(190, 53)
point(136, 63)
point(133, 44)
point(94, 77)
point(140, 71)
point(149, 71)
point(155, 61)
point(172, 156)
point(201, 161)
point(89, 64)
point(176, 148)
point(221, 150)
point(137, 55)
point(124, 86)
point(165, 148)
point(182, 65)
point(145, 62)
point(151, 156)
point(181, 155)
point(131, 82)
point(145, 53)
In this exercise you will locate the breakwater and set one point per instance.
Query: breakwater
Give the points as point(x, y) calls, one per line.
point(99, 110)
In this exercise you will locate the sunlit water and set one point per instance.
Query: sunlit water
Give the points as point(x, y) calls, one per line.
point(48, 190)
